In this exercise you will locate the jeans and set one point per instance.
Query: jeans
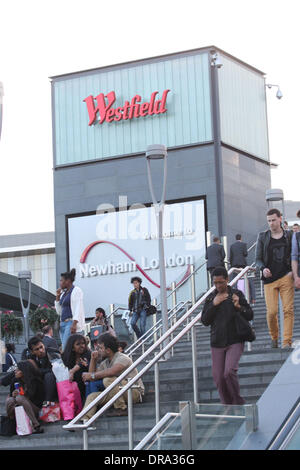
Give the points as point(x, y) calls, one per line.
point(285, 288)
point(65, 332)
point(143, 318)
point(95, 386)
point(225, 363)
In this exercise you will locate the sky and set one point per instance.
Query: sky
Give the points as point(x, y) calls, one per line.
point(39, 39)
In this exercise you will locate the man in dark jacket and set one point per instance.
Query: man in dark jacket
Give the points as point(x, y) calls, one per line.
point(220, 312)
point(138, 302)
point(40, 356)
point(238, 253)
point(215, 255)
point(238, 259)
point(273, 258)
point(48, 339)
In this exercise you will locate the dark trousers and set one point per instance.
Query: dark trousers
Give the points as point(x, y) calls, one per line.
point(50, 390)
point(225, 364)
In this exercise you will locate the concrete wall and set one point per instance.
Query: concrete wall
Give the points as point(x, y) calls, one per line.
point(191, 173)
point(245, 181)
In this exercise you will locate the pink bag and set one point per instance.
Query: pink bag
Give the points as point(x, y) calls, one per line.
point(50, 414)
point(69, 399)
point(23, 422)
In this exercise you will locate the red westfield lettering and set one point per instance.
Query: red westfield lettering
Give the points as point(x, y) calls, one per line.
point(104, 107)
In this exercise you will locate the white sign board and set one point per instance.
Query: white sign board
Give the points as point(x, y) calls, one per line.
point(108, 249)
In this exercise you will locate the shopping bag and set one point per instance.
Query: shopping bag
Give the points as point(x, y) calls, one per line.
point(50, 414)
point(69, 399)
point(60, 371)
point(241, 285)
point(23, 422)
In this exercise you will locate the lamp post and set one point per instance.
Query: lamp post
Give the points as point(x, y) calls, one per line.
point(1, 106)
point(159, 152)
point(25, 275)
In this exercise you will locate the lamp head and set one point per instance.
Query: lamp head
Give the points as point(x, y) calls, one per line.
point(156, 152)
point(279, 94)
point(24, 275)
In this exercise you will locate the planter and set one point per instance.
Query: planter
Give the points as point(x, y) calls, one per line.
point(11, 325)
point(42, 316)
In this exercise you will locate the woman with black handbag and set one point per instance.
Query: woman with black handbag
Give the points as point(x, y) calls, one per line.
point(228, 313)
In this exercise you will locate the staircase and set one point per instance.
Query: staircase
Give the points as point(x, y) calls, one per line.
point(257, 369)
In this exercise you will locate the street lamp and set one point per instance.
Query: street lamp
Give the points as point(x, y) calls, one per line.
point(25, 275)
point(159, 152)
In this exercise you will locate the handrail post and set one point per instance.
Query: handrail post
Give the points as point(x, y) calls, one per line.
point(193, 285)
point(173, 287)
point(157, 397)
point(154, 319)
point(85, 440)
point(281, 319)
point(195, 368)
point(112, 317)
point(247, 295)
point(130, 418)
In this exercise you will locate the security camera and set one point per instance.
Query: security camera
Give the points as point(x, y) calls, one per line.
point(215, 61)
point(279, 94)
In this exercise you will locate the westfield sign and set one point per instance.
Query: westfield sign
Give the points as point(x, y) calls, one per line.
point(101, 108)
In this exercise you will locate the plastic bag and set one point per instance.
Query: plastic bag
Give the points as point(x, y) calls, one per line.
point(24, 427)
point(60, 371)
point(50, 414)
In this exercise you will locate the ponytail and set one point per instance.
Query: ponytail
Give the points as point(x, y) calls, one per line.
point(69, 275)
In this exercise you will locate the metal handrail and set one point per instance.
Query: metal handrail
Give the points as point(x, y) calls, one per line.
point(156, 328)
point(185, 280)
point(160, 354)
point(138, 342)
point(151, 434)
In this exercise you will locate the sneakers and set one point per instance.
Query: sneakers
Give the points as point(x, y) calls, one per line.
point(274, 343)
point(286, 346)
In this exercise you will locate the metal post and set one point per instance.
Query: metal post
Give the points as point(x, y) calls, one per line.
point(173, 287)
point(130, 419)
point(112, 317)
point(158, 152)
point(85, 440)
point(225, 244)
point(247, 295)
point(157, 398)
point(154, 319)
point(188, 425)
point(25, 275)
point(194, 360)
point(193, 285)
point(281, 320)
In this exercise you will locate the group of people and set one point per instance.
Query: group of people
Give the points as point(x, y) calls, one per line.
point(95, 368)
point(33, 383)
point(278, 259)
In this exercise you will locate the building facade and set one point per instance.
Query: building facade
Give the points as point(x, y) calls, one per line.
point(206, 106)
point(32, 251)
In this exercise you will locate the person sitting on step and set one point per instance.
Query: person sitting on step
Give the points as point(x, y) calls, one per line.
point(113, 364)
